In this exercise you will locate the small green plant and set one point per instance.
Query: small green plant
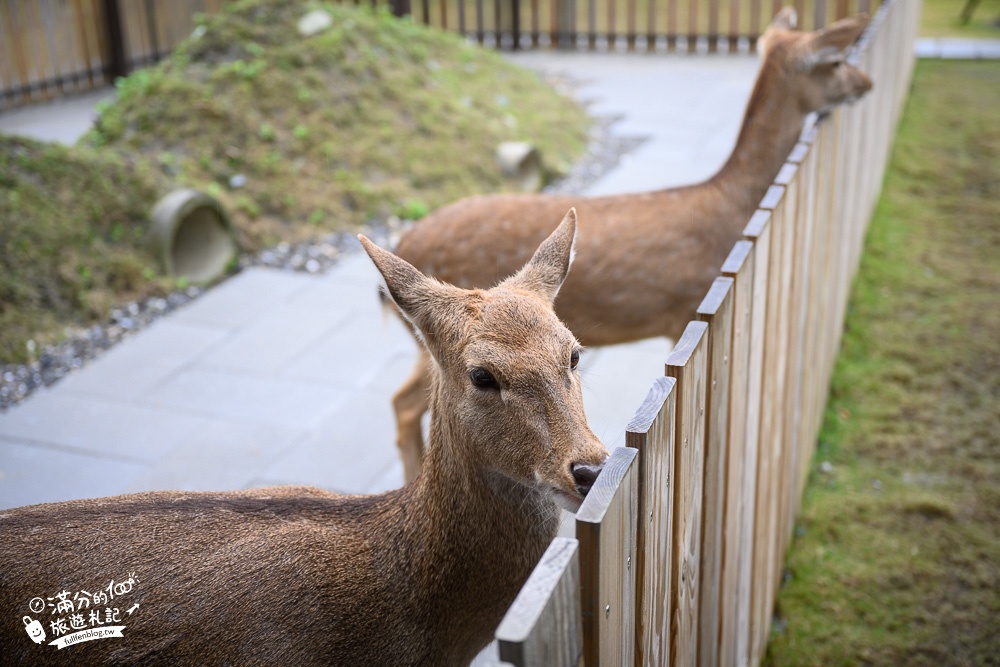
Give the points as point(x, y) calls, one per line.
point(248, 71)
point(248, 206)
point(300, 132)
point(412, 209)
point(266, 132)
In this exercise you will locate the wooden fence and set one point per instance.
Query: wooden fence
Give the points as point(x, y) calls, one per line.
point(680, 544)
point(50, 48)
point(650, 25)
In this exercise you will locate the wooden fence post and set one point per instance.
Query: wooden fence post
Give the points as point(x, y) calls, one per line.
point(400, 7)
point(741, 470)
point(651, 432)
point(117, 64)
point(716, 310)
point(688, 364)
point(542, 627)
point(605, 527)
point(758, 230)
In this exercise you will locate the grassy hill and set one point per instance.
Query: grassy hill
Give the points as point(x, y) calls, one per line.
point(370, 117)
point(297, 136)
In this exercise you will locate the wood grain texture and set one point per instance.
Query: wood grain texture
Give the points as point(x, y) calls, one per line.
point(716, 310)
point(773, 397)
point(606, 527)
point(542, 628)
point(688, 364)
point(651, 432)
point(758, 230)
point(741, 471)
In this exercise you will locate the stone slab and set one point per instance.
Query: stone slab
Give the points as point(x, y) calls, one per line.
point(348, 453)
point(95, 425)
point(218, 456)
point(244, 297)
point(137, 365)
point(256, 399)
point(30, 474)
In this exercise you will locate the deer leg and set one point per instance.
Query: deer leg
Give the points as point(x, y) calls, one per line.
point(410, 404)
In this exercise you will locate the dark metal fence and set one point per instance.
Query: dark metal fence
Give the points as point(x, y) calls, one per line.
point(50, 48)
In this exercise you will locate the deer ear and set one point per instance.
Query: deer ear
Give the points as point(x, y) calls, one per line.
point(415, 294)
point(827, 44)
point(786, 19)
point(548, 267)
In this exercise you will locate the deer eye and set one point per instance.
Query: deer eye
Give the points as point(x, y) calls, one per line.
point(483, 379)
point(574, 359)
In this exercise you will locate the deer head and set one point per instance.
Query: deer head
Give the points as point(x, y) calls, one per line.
point(503, 352)
point(814, 62)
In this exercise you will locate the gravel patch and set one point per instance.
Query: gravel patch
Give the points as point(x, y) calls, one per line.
point(18, 381)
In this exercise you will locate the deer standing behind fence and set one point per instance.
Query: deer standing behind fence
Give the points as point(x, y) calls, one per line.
point(299, 576)
point(644, 260)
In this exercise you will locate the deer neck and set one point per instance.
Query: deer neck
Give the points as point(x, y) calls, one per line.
point(464, 498)
point(771, 126)
point(475, 537)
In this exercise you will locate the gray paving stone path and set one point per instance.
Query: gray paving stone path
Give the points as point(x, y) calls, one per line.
point(277, 377)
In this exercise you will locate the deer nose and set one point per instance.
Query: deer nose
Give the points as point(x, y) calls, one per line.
point(585, 475)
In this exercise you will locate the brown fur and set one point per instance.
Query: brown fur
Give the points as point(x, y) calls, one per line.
point(644, 261)
point(298, 576)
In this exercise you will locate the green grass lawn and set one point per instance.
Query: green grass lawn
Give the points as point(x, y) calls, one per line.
point(941, 18)
point(896, 559)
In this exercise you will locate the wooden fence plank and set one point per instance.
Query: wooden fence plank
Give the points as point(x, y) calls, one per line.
point(90, 38)
point(741, 468)
point(651, 432)
point(716, 310)
point(688, 364)
point(805, 370)
point(41, 41)
point(542, 628)
point(7, 76)
point(795, 280)
point(605, 527)
point(775, 397)
point(19, 28)
point(672, 25)
point(769, 444)
point(692, 30)
point(734, 25)
point(758, 230)
point(713, 26)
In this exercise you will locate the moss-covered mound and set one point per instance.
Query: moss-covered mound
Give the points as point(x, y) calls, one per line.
point(372, 116)
point(72, 229)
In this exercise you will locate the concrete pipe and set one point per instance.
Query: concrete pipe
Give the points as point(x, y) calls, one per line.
point(521, 161)
point(192, 236)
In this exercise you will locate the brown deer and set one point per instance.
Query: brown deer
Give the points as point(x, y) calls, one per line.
point(298, 576)
point(644, 261)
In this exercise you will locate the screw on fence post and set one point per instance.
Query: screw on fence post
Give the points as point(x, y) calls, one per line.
point(607, 611)
point(628, 563)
